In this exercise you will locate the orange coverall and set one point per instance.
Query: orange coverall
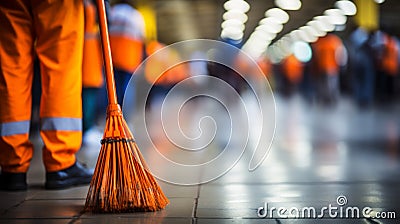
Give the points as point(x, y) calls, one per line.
point(328, 53)
point(164, 68)
point(54, 31)
point(390, 59)
point(293, 69)
point(126, 37)
point(92, 58)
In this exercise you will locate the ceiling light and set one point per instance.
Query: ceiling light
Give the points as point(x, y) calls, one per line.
point(302, 51)
point(379, 1)
point(255, 48)
point(288, 4)
point(269, 20)
point(347, 7)
point(278, 14)
point(304, 36)
point(235, 14)
point(325, 22)
point(318, 27)
point(285, 47)
point(340, 27)
point(262, 35)
point(285, 50)
point(239, 5)
point(259, 46)
point(233, 23)
point(270, 25)
point(231, 32)
point(275, 54)
point(313, 31)
point(336, 16)
point(294, 35)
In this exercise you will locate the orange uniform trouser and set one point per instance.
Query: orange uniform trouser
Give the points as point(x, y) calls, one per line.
point(54, 29)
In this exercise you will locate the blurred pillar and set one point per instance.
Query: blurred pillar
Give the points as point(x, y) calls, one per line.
point(367, 15)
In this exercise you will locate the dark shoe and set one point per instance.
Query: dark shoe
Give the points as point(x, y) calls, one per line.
point(73, 176)
point(13, 181)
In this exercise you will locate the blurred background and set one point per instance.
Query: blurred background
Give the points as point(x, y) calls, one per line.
point(333, 69)
point(332, 66)
point(356, 42)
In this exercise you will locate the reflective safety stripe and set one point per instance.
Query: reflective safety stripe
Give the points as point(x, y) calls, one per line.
point(61, 124)
point(14, 128)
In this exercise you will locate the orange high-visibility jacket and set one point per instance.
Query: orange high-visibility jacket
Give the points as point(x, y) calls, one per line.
point(292, 69)
point(327, 53)
point(54, 31)
point(92, 65)
point(126, 37)
point(246, 66)
point(164, 67)
point(390, 58)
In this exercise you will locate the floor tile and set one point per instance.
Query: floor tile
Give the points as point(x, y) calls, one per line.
point(11, 199)
point(331, 221)
point(46, 209)
point(35, 221)
point(177, 208)
point(129, 220)
point(177, 191)
point(78, 193)
point(318, 155)
point(234, 221)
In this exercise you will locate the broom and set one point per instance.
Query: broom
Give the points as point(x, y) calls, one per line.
point(121, 181)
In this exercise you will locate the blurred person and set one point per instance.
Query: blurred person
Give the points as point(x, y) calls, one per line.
point(306, 84)
point(266, 67)
point(127, 36)
point(159, 73)
point(245, 66)
point(361, 67)
point(92, 75)
point(54, 31)
point(292, 70)
point(220, 67)
point(388, 67)
point(376, 42)
point(329, 54)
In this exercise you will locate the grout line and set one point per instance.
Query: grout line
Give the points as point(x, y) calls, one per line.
point(194, 211)
point(76, 217)
point(14, 206)
point(195, 203)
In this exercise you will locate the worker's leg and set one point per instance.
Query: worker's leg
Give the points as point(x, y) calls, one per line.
point(59, 27)
point(16, 72)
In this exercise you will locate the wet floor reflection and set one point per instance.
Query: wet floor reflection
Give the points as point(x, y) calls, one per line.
point(317, 155)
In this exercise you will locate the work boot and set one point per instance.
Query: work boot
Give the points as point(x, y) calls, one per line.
point(73, 176)
point(13, 181)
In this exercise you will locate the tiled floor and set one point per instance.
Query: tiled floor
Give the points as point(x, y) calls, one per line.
point(318, 154)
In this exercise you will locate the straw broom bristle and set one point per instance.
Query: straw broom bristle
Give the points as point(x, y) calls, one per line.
point(121, 181)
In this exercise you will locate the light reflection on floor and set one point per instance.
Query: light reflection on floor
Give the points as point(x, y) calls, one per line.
point(318, 154)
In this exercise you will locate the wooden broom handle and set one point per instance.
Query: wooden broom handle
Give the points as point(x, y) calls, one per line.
point(105, 43)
